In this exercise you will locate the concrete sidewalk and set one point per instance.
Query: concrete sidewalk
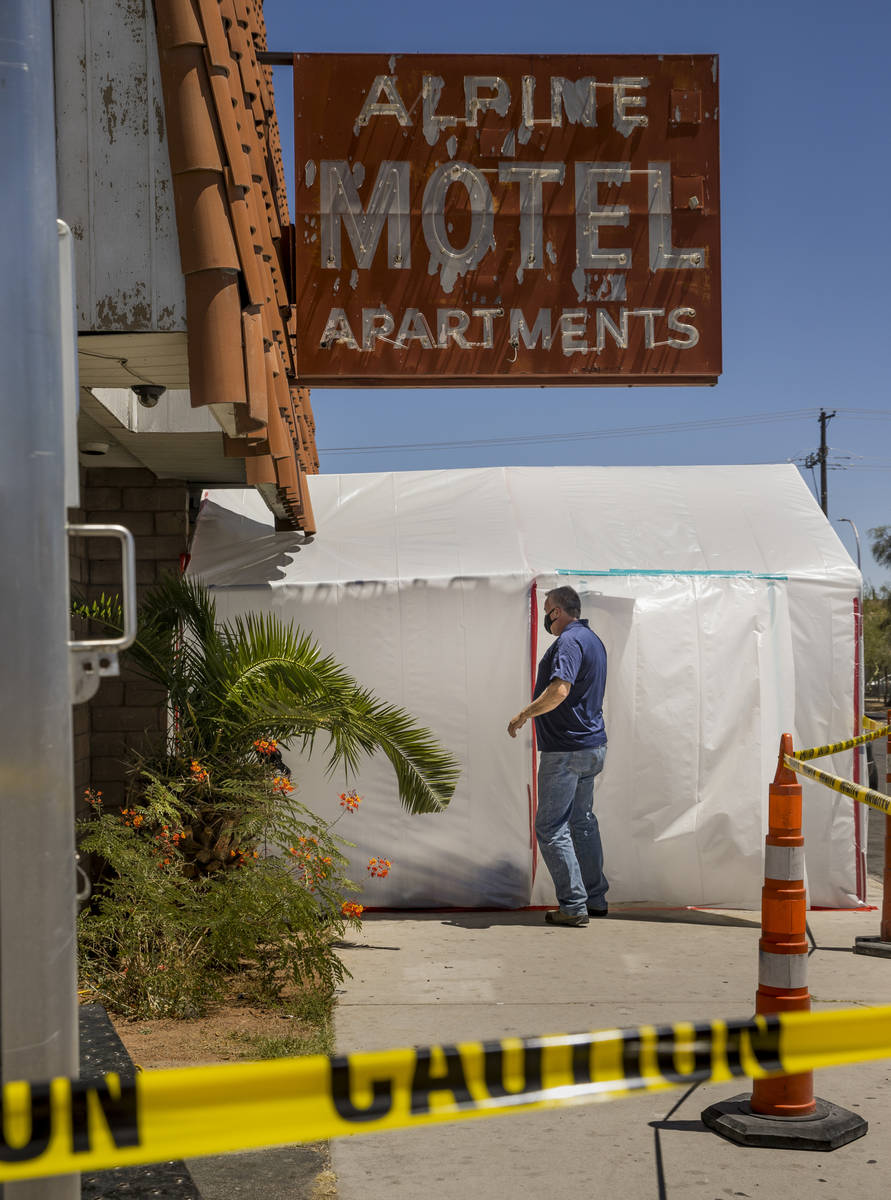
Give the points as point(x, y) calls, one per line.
point(426, 978)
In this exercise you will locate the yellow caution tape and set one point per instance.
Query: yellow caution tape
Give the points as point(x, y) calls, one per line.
point(92, 1125)
point(864, 794)
point(869, 723)
point(837, 747)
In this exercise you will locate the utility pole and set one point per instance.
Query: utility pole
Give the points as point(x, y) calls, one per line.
point(820, 457)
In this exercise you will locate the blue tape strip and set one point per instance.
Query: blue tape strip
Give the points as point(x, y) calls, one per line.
point(637, 571)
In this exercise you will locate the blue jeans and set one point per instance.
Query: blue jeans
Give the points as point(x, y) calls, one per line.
point(567, 830)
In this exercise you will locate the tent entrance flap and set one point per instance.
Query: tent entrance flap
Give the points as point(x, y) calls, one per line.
point(695, 665)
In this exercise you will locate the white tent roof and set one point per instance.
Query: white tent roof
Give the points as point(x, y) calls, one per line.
point(528, 521)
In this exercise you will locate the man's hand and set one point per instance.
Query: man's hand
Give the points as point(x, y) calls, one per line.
point(553, 695)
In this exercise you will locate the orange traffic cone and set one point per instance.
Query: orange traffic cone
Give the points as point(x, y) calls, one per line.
point(782, 950)
point(783, 1112)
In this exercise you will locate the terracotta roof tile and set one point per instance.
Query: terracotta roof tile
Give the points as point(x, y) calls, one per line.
point(236, 155)
point(218, 53)
point(178, 25)
point(192, 120)
point(249, 246)
point(236, 243)
point(216, 360)
point(255, 367)
point(206, 238)
point(227, 8)
point(260, 469)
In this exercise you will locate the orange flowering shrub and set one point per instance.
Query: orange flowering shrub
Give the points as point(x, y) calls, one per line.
point(350, 909)
point(198, 773)
point(313, 867)
point(215, 867)
point(162, 930)
point(379, 867)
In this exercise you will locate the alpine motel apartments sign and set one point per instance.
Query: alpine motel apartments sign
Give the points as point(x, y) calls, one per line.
point(507, 219)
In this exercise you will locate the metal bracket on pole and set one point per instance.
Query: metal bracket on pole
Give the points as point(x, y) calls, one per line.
point(94, 659)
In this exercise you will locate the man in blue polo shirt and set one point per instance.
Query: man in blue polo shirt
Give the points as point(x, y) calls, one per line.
point(568, 712)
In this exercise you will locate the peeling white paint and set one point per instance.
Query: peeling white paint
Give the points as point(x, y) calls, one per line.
point(341, 206)
point(431, 90)
point(626, 122)
point(452, 146)
point(580, 283)
point(309, 173)
point(474, 103)
point(613, 287)
point(551, 252)
point(509, 145)
point(354, 279)
point(579, 99)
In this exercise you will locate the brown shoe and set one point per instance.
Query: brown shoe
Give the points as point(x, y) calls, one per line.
point(559, 917)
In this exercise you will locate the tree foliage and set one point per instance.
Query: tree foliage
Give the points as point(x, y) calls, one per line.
point(877, 639)
point(881, 544)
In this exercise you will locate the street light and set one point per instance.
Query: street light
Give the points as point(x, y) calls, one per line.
point(856, 536)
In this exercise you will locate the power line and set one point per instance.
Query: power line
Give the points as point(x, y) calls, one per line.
point(590, 434)
point(601, 434)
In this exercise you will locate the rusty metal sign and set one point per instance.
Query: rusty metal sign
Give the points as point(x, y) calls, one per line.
point(507, 219)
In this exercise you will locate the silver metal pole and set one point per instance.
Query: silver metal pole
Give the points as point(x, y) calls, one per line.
point(848, 521)
point(861, 750)
point(38, 989)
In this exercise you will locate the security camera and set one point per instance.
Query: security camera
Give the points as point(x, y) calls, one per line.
point(148, 394)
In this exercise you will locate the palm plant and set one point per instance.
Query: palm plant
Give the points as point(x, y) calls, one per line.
point(214, 868)
point(232, 682)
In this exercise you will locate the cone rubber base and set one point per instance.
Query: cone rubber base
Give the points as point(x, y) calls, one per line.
point(827, 1129)
point(872, 945)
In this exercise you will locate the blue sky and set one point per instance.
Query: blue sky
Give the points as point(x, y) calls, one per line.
point(805, 192)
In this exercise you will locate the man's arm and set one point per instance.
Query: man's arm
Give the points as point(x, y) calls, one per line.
point(553, 695)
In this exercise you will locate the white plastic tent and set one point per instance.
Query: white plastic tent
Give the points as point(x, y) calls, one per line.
point(725, 600)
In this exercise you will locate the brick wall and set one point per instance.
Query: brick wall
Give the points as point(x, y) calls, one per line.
point(127, 712)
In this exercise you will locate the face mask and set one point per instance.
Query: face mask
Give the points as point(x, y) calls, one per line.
point(548, 622)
